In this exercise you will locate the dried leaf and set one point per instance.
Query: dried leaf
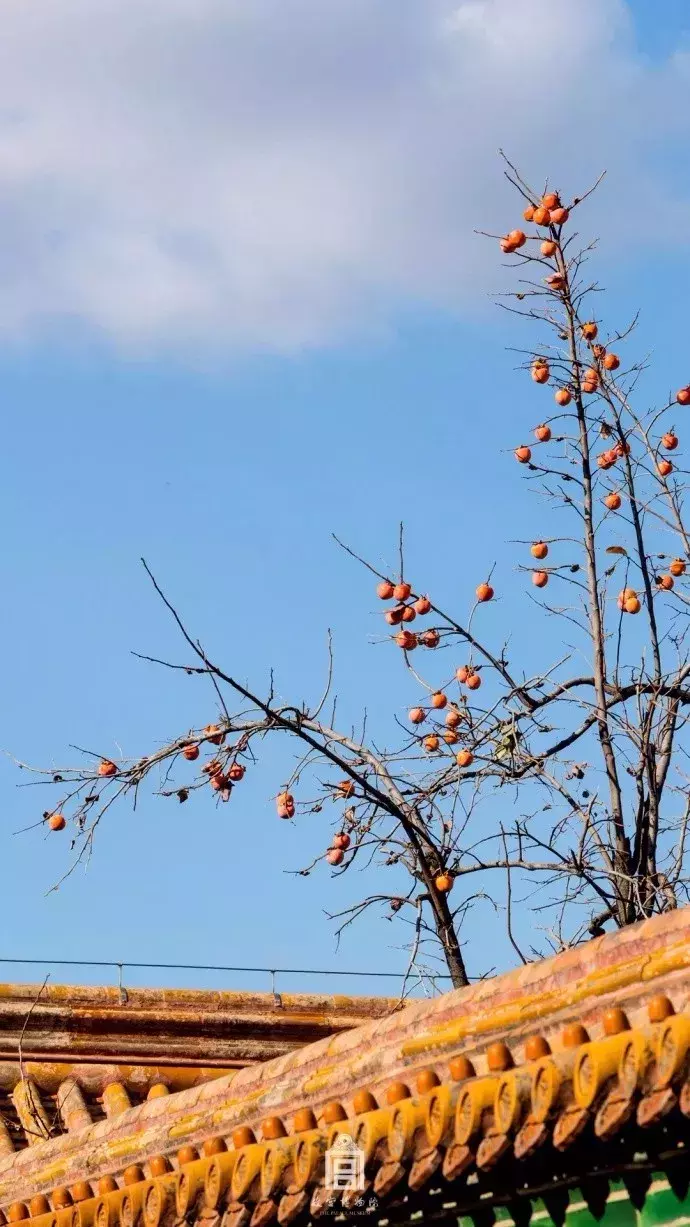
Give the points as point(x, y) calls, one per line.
point(616, 549)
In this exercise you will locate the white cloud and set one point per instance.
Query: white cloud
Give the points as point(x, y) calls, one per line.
point(280, 172)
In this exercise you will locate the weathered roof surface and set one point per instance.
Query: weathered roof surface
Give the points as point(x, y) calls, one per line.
point(142, 1038)
point(173, 1026)
point(557, 1073)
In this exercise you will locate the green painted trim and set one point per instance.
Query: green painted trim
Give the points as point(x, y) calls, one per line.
point(661, 1209)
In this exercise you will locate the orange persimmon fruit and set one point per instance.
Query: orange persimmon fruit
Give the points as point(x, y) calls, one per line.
point(406, 640)
point(542, 216)
point(394, 616)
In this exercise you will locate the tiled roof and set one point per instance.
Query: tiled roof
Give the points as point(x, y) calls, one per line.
point(77, 1042)
point(562, 1073)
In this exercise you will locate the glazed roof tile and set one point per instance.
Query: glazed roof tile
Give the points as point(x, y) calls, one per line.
point(142, 1038)
point(478, 1098)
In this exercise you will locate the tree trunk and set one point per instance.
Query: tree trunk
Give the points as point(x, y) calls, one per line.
point(448, 938)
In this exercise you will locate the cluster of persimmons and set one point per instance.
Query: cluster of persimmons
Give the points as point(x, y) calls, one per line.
point(221, 779)
point(550, 213)
point(285, 806)
point(443, 716)
point(56, 820)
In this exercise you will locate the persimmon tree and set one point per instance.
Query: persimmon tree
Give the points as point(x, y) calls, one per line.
point(594, 759)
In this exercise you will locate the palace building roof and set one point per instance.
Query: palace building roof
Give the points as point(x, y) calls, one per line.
point(495, 1101)
point(102, 1044)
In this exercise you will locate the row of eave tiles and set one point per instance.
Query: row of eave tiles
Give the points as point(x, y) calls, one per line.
point(441, 1128)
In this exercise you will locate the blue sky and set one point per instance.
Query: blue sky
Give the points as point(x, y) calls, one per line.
point(242, 306)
